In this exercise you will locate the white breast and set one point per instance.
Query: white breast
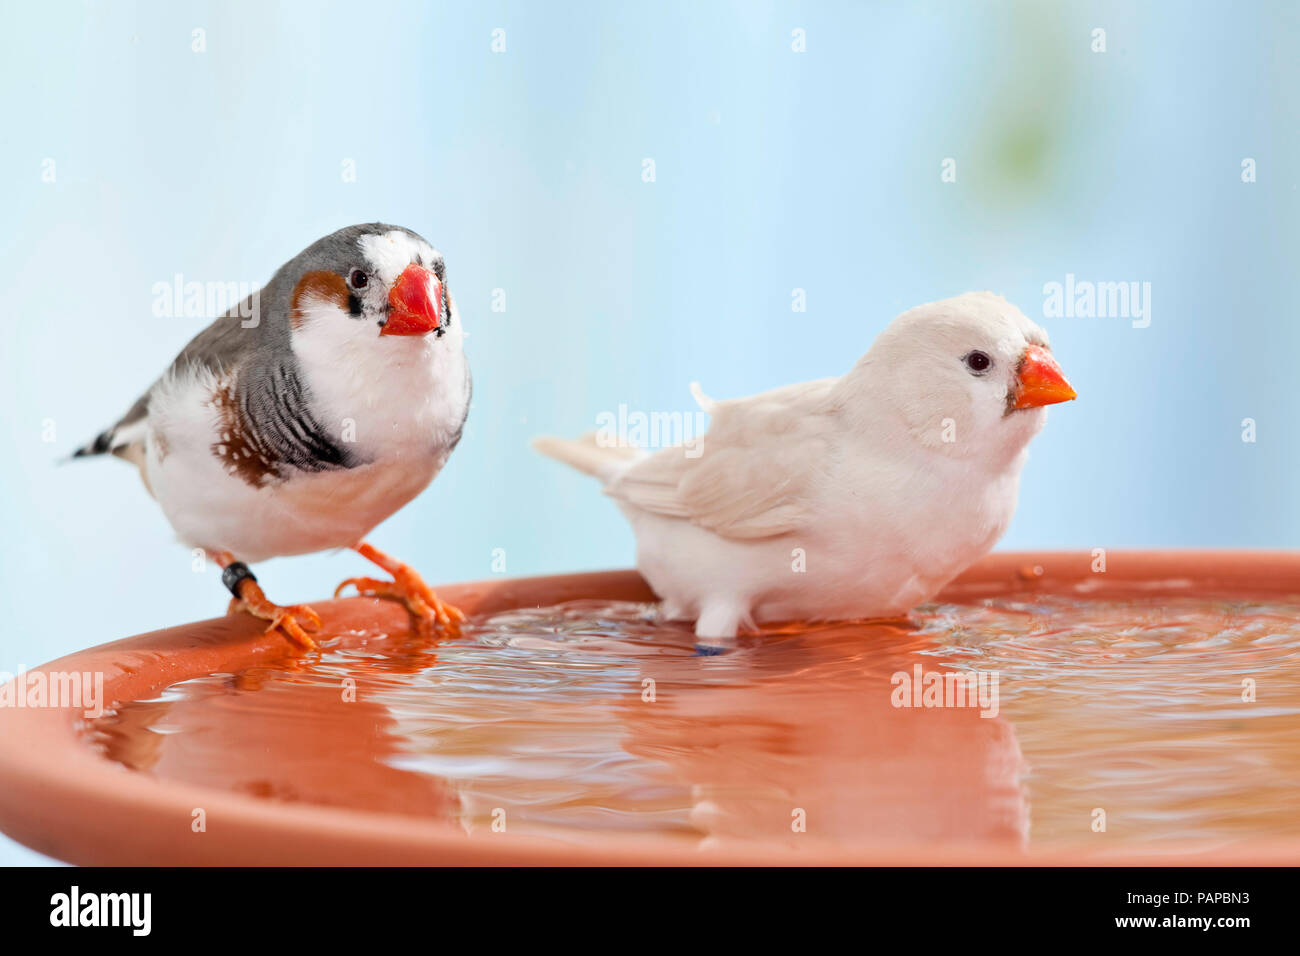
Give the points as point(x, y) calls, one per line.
point(392, 397)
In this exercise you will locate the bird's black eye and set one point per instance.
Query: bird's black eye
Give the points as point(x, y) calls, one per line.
point(358, 279)
point(978, 362)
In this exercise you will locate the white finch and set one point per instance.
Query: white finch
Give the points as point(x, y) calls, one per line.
point(843, 498)
point(307, 415)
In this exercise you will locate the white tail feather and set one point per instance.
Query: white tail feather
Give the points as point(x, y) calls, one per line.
point(706, 404)
point(584, 454)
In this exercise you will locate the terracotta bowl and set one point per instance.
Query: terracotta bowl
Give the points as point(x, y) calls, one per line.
point(63, 798)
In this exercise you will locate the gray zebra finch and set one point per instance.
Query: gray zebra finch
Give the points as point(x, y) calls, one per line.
point(303, 429)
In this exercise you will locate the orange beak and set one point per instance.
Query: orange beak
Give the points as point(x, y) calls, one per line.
point(414, 303)
point(1040, 381)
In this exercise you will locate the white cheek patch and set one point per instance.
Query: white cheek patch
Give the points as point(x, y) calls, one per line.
point(328, 335)
point(313, 308)
point(392, 252)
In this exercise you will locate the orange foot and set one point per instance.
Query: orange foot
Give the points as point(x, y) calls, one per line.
point(408, 587)
point(293, 621)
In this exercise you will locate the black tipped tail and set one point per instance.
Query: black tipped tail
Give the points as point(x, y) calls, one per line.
point(102, 445)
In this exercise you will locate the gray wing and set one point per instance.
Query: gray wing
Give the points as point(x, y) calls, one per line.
point(225, 344)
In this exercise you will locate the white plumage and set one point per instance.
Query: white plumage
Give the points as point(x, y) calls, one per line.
point(850, 497)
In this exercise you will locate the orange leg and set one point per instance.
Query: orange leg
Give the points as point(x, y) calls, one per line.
point(407, 586)
point(293, 621)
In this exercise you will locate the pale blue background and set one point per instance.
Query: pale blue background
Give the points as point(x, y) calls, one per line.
point(775, 170)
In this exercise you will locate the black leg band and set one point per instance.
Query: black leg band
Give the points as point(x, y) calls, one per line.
point(233, 574)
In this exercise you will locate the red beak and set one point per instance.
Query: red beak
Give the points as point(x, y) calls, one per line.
point(414, 303)
point(1040, 380)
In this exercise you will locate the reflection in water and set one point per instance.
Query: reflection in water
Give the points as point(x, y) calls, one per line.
point(592, 718)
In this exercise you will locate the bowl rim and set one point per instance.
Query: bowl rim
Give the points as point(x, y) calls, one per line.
point(65, 800)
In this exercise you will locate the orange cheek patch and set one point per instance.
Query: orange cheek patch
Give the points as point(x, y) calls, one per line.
point(320, 286)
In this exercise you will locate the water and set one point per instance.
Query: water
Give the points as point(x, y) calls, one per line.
point(591, 719)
